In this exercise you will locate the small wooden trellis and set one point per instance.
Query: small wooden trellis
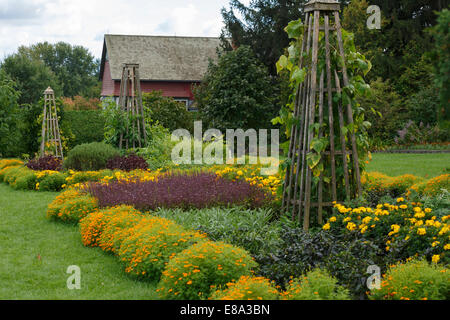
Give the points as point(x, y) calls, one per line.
point(51, 137)
point(130, 101)
point(312, 94)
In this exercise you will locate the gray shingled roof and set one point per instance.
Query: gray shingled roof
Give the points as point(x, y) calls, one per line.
point(161, 57)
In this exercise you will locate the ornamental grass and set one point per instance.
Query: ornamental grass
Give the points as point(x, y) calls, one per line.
point(185, 191)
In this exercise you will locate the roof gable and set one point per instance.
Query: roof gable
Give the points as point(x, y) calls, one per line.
point(160, 57)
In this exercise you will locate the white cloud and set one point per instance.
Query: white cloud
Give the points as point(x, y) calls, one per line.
point(83, 22)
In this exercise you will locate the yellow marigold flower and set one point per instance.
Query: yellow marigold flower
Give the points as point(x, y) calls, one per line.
point(347, 219)
point(436, 258)
point(434, 244)
point(447, 246)
point(403, 206)
point(351, 226)
point(400, 199)
point(395, 228)
point(427, 210)
point(366, 220)
point(332, 219)
point(326, 226)
point(421, 231)
point(443, 230)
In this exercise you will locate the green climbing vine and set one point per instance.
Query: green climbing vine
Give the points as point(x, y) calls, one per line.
point(357, 68)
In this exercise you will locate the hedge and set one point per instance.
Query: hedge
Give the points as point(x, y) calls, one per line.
point(86, 125)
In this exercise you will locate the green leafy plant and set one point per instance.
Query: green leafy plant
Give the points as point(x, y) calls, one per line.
point(414, 280)
point(316, 285)
point(150, 245)
point(234, 90)
point(166, 111)
point(90, 156)
point(248, 288)
point(194, 272)
point(357, 68)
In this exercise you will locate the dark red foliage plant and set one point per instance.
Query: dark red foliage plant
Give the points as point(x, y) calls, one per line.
point(186, 191)
point(127, 163)
point(48, 162)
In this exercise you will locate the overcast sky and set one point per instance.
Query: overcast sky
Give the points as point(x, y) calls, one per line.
point(84, 22)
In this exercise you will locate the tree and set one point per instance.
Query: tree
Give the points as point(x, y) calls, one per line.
point(236, 92)
point(75, 67)
point(9, 109)
point(166, 111)
point(32, 77)
point(403, 37)
point(441, 33)
point(262, 27)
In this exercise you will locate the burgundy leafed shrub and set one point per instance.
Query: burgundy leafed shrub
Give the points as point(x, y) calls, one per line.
point(48, 162)
point(127, 163)
point(184, 191)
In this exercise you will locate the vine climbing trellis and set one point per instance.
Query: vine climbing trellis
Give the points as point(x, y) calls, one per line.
point(130, 102)
point(323, 162)
point(51, 137)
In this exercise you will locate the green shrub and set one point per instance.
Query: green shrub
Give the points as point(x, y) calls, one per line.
point(95, 223)
point(85, 176)
point(316, 285)
point(26, 182)
point(234, 90)
point(194, 272)
point(414, 280)
point(90, 156)
point(13, 173)
point(6, 171)
point(75, 209)
point(166, 111)
point(159, 149)
point(345, 257)
point(248, 288)
point(55, 206)
point(151, 244)
point(52, 182)
point(86, 125)
point(10, 163)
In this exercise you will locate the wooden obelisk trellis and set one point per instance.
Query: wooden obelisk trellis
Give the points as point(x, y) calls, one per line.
point(130, 101)
point(314, 103)
point(50, 128)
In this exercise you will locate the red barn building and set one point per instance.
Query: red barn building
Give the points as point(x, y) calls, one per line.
point(169, 64)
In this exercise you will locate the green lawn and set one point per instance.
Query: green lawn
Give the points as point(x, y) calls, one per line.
point(25, 233)
point(424, 165)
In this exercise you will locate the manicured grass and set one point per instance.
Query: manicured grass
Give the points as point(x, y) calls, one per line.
point(35, 254)
point(424, 165)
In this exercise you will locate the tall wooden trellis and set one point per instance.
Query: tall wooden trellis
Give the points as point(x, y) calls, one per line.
point(51, 137)
point(300, 195)
point(130, 102)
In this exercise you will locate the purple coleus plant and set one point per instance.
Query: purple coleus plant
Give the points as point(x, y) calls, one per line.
point(198, 190)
